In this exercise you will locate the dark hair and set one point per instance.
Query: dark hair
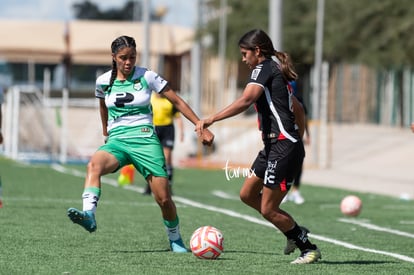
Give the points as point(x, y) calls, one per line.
point(258, 38)
point(118, 44)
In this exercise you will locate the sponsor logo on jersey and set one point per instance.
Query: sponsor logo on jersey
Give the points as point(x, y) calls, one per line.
point(255, 72)
point(121, 99)
point(159, 78)
point(270, 173)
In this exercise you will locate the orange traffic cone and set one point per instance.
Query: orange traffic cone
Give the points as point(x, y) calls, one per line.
point(126, 175)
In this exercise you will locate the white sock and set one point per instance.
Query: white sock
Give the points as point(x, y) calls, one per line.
point(90, 201)
point(173, 233)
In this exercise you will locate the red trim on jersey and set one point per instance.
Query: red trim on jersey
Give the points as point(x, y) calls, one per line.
point(258, 121)
point(281, 136)
point(283, 185)
point(290, 88)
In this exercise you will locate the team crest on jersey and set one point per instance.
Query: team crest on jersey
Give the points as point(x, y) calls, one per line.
point(137, 85)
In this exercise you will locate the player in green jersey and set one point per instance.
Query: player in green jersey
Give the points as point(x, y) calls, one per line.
point(124, 95)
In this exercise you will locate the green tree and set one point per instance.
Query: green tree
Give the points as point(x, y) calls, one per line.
point(90, 11)
point(86, 10)
point(376, 33)
point(242, 16)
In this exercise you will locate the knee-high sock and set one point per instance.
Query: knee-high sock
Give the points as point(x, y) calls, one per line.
point(173, 229)
point(300, 237)
point(90, 198)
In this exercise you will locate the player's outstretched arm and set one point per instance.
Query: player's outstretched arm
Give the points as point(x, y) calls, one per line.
point(207, 136)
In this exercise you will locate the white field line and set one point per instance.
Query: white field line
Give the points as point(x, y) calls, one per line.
point(376, 227)
point(224, 195)
point(250, 218)
point(105, 180)
point(57, 201)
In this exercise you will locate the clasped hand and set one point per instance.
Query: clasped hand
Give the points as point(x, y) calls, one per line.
point(205, 134)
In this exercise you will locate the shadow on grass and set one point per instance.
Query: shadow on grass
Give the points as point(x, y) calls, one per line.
point(141, 251)
point(354, 262)
point(251, 252)
point(221, 258)
point(168, 250)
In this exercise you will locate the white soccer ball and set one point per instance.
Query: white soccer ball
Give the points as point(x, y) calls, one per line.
point(351, 206)
point(207, 242)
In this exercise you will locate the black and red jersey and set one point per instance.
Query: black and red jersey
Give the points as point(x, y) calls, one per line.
point(274, 106)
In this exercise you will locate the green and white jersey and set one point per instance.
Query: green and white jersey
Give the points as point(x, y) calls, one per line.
point(128, 102)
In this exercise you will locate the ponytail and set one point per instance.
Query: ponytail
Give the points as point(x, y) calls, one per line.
point(286, 66)
point(258, 38)
point(113, 76)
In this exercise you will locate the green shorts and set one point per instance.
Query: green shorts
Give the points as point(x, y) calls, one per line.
point(145, 153)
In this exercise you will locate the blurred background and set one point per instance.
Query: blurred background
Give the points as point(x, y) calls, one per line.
point(354, 61)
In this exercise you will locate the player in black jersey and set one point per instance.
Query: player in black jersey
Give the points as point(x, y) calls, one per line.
point(281, 121)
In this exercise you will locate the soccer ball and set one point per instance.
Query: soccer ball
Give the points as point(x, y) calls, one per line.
point(351, 206)
point(207, 242)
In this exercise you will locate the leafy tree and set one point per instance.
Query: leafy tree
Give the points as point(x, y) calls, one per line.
point(86, 10)
point(376, 33)
point(242, 16)
point(90, 11)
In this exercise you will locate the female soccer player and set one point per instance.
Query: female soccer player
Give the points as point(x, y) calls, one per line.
point(124, 96)
point(281, 120)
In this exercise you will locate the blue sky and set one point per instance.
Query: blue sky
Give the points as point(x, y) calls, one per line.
point(180, 12)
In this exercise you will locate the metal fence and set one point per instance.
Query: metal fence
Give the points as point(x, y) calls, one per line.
point(358, 94)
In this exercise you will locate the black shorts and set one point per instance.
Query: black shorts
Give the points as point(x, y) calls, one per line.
point(278, 163)
point(166, 135)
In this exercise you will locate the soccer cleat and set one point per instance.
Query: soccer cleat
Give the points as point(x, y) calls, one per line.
point(86, 219)
point(291, 245)
point(296, 197)
point(308, 256)
point(178, 246)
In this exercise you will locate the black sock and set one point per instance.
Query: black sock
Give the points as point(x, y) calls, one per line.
point(300, 237)
point(170, 173)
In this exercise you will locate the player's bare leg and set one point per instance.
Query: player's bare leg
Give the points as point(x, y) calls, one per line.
point(162, 195)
